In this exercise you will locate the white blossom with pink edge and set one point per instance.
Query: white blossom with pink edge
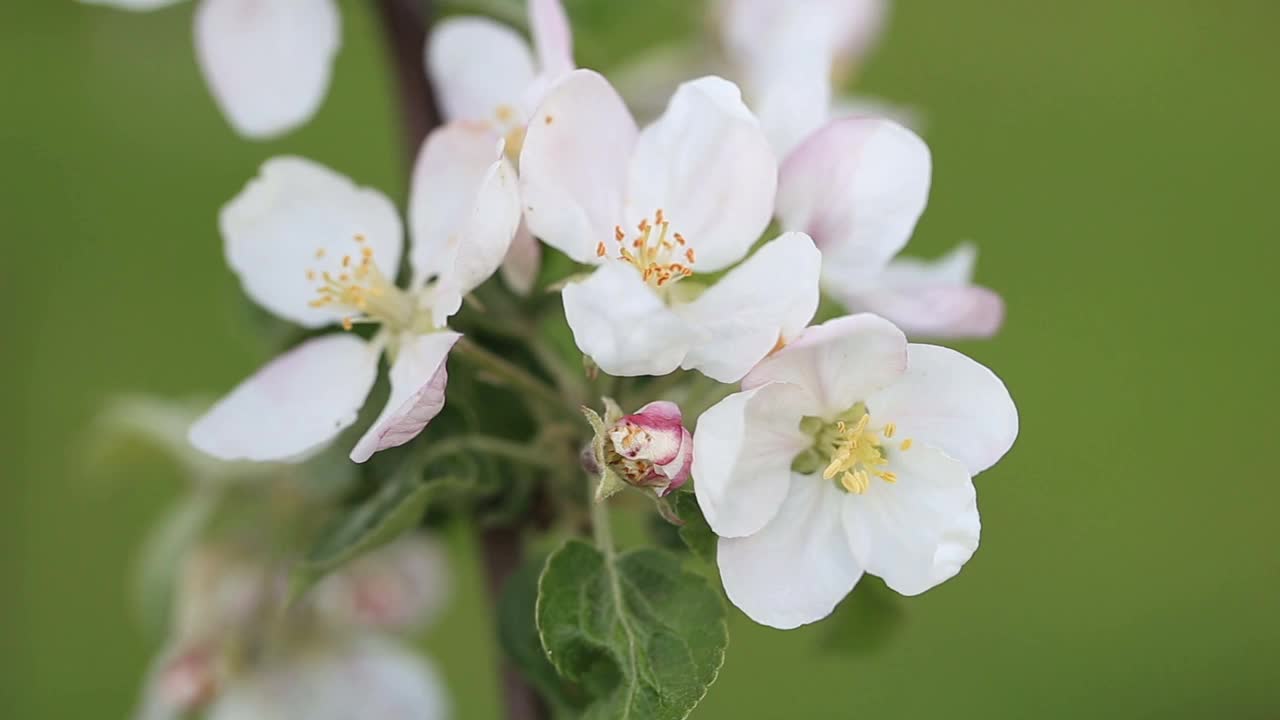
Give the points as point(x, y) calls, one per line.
point(653, 209)
point(486, 73)
point(268, 63)
point(653, 447)
point(858, 186)
point(849, 451)
point(312, 247)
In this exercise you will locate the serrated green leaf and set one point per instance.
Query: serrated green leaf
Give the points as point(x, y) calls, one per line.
point(518, 636)
point(696, 533)
point(392, 511)
point(642, 636)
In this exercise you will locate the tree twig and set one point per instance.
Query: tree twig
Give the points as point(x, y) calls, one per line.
point(404, 23)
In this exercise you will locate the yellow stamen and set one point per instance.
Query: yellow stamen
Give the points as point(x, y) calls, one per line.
point(655, 251)
point(857, 454)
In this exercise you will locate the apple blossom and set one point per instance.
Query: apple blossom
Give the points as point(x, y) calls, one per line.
point(339, 668)
point(311, 247)
point(689, 194)
point(786, 54)
point(651, 448)
point(858, 186)
point(485, 73)
point(848, 451)
point(267, 62)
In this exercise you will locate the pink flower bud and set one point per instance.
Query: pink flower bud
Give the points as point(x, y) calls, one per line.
point(653, 448)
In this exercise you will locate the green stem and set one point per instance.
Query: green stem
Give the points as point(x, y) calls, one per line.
point(512, 374)
point(528, 454)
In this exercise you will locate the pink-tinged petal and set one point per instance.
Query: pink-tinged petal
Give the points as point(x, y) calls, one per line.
point(397, 587)
point(743, 448)
point(573, 165)
point(792, 98)
point(766, 300)
point(478, 66)
point(796, 568)
point(921, 529)
point(857, 186)
point(268, 64)
point(354, 677)
point(933, 298)
point(622, 325)
point(552, 37)
point(524, 259)
point(293, 404)
point(708, 165)
point(840, 362)
point(681, 466)
point(294, 222)
point(452, 163)
point(951, 402)
point(182, 679)
point(418, 380)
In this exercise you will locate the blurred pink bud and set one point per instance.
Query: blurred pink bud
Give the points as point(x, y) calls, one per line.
point(654, 449)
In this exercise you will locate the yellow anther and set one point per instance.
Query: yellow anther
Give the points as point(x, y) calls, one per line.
point(906, 444)
point(655, 251)
point(346, 324)
point(311, 275)
point(320, 254)
point(601, 249)
point(856, 454)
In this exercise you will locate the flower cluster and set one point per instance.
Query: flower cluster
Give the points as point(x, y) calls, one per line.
point(734, 260)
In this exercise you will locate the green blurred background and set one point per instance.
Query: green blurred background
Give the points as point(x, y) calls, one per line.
point(1116, 161)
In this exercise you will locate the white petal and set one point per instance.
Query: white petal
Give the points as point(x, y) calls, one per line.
point(451, 164)
point(293, 404)
point(298, 216)
point(840, 362)
point(743, 447)
point(751, 29)
point(552, 36)
point(573, 165)
point(477, 66)
point(933, 298)
point(464, 211)
point(767, 299)
point(622, 325)
point(268, 64)
point(363, 678)
point(418, 379)
point(857, 186)
point(524, 259)
point(796, 568)
point(133, 4)
point(921, 529)
point(792, 99)
point(707, 164)
point(951, 402)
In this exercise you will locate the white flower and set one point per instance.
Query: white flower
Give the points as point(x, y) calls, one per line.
point(788, 52)
point(849, 451)
point(857, 186)
point(689, 194)
point(311, 247)
point(267, 62)
point(485, 73)
point(326, 662)
point(360, 677)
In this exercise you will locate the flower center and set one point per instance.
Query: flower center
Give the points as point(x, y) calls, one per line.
point(662, 257)
point(359, 287)
point(853, 451)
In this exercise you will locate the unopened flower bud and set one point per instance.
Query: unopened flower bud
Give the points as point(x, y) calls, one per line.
point(651, 448)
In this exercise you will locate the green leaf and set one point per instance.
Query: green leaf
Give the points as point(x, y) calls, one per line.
point(866, 621)
point(695, 532)
point(642, 636)
point(518, 636)
point(396, 508)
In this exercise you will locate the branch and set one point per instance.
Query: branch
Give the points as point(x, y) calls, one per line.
point(404, 23)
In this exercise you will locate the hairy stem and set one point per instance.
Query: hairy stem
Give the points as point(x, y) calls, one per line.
point(404, 23)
